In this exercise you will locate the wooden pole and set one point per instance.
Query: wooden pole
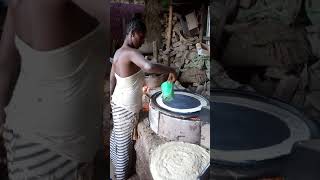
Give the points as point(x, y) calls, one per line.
point(155, 50)
point(202, 22)
point(169, 27)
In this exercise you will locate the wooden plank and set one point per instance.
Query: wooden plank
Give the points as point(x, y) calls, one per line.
point(202, 21)
point(155, 50)
point(192, 21)
point(184, 25)
point(169, 32)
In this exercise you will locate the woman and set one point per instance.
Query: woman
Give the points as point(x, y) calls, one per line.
point(51, 62)
point(126, 83)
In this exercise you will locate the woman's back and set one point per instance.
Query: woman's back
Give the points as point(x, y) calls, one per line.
point(123, 66)
point(50, 24)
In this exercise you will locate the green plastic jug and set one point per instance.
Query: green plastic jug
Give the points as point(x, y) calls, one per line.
point(167, 91)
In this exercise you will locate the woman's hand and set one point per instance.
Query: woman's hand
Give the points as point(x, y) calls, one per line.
point(145, 89)
point(172, 76)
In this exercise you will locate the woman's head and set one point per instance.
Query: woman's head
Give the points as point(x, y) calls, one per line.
point(136, 31)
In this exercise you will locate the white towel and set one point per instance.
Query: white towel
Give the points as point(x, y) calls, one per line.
point(58, 97)
point(128, 91)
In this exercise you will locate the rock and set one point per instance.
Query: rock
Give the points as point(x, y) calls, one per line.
point(247, 3)
point(193, 75)
point(288, 46)
point(165, 61)
point(183, 48)
point(192, 54)
point(286, 88)
point(208, 86)
point(174, 18)
point(236, 27)
point(199, 89)
point(314, 99)
point(195, 84)
point(176, 44)
point(220, 78)
point(165, 57)
point(166, 52)
point(275, 72)
point(177, 27)
point(173, 65)
point(174, 39)
point(185, 55)
point(207, 94)
point(179, 54)
point(304, 79)
point(314, 73)
point(173, 53)
point(312, 105)
point(172, 59)
point(299, 99)
point(216, 68)
point(179, 62)
point(314, 39)
point(146, 142)
point(208, 73)
point(178, 85)
point(265, 87)
point(191, 40)
point(192, 88)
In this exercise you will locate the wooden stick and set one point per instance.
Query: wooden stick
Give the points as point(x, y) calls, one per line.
point(202, 20)
point(169, 27)
point(155, 50)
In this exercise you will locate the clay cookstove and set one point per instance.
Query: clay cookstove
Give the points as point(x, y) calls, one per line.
point(180, 119)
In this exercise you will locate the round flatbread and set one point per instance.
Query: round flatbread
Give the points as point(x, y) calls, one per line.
point(178, 160)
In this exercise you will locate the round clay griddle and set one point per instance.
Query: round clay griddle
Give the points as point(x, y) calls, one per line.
point(248, 128)
point(183, 103)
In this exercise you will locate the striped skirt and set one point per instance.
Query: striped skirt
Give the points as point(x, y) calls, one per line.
point(28, 160)
point(121, 140)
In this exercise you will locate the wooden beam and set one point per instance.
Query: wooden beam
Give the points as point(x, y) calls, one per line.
point(155, 50)
point(202, 21)
point(169, 32)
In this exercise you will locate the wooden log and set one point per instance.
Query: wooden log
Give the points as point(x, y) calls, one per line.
point(169, 27)
point(202, 21)
point(155, 50)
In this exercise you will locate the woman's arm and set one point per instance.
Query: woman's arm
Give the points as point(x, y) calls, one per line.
point(149, 67)
point(113, 80)
point(9, 62)
point(99, 9)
